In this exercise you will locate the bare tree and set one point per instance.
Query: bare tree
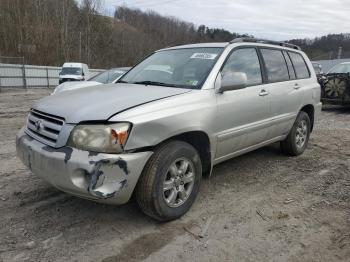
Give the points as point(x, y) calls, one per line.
point(51, 32)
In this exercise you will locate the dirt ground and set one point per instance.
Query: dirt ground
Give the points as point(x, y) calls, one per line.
point(262, 206)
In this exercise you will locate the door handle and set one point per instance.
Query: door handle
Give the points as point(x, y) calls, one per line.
point(296, 86)
point(263, 92)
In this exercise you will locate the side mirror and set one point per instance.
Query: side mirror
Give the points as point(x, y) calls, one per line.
point(233, 81)
point(83, 74)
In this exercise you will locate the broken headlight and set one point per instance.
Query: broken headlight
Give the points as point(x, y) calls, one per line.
point(100, 138)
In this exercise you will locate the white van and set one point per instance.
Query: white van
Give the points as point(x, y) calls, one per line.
point(106, 77)
point(73, 72)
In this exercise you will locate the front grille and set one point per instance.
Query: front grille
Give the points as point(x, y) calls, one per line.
point(44, 127)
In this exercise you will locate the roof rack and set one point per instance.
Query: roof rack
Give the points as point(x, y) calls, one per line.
point(264, 41)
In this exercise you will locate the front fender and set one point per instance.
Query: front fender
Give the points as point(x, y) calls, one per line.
point(166, 118)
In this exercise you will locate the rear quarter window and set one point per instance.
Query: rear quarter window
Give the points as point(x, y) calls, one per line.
point(276, 67)
point(291, 71)
point(300, 66)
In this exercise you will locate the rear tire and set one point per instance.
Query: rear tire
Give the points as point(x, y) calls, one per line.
point(298, 137)
point(170, 181)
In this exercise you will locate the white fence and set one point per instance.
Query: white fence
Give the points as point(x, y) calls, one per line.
point(32, 76)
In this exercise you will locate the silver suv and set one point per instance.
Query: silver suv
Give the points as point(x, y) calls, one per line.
point(169, 120)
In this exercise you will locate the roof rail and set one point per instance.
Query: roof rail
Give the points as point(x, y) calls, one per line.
point(264, 41)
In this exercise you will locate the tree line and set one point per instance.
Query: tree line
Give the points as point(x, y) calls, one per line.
point(325, 47)
point(51, 32)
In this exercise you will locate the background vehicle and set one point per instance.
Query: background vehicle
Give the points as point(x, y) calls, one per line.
point(109, 76)
point(336, 85)
point(342, 68)
point(319, 72)
point(73, 72)
point(318, 68)
point(169, 120)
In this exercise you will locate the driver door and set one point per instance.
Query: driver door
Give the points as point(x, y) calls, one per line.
point(243, 114)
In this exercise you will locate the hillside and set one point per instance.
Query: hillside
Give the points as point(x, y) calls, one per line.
point(50, 32)
point(326, 47)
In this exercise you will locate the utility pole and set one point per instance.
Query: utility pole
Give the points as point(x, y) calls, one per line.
point(24, 78)
point(340, 51)
point(80, 46)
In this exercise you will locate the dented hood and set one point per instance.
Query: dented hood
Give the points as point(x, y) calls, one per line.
point(102, 102)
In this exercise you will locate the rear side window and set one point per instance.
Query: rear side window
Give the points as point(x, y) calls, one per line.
point(275, 63)
point(290, 66)
point(300, 66)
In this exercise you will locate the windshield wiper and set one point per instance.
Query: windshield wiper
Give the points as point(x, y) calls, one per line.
point(154, 83)
point(122, 81)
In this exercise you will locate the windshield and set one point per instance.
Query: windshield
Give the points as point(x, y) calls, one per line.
point(186, 68)
point(340, 68)
point(108, 76)
point(71, 71)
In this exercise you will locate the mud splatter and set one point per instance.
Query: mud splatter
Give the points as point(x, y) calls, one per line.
point(93, 153)
point(97, 174)
point(123, 165)
point(66, 150)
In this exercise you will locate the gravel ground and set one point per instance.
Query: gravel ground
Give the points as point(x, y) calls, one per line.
point(262, 206)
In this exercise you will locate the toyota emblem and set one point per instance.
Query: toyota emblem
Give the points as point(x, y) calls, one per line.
point(38, 124)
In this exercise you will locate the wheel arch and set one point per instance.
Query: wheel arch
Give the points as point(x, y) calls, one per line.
point(201, 142)
point(310, 110)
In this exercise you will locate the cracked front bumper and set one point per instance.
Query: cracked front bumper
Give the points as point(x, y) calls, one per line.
point(107, 178)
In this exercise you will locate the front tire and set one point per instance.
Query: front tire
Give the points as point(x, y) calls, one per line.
point(298, 138)
point(170, 181)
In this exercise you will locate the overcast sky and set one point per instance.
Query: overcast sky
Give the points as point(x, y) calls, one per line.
point(273, 19)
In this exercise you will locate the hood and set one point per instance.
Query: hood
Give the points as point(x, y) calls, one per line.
point(74, 85)
point(102, 102)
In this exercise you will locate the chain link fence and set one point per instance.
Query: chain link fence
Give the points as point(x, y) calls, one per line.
point(332, 55)
point(19, 60)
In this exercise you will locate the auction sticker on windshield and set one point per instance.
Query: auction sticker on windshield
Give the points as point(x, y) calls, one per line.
point(203, 56)
point(192, 82)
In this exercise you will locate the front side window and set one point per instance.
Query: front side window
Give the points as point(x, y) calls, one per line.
point(186, 68)
point(300, 66)
point(246, 61)
point(275, 65)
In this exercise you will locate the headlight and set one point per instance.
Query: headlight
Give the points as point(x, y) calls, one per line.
point(100, 138)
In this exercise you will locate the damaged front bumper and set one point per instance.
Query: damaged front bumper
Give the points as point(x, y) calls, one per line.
point(107, 178)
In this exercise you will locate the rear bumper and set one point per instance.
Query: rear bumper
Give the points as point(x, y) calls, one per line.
point(107, 178)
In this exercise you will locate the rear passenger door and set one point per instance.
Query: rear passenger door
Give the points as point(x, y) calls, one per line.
point(284, 88)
